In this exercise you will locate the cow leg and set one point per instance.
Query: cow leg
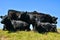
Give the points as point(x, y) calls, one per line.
point(4, 28)
point(34, 26)
point(54, 29)
point(27, 28)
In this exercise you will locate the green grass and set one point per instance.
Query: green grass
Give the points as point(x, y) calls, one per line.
point(24, 35)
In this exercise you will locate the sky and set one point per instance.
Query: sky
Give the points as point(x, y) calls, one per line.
point(51, 7)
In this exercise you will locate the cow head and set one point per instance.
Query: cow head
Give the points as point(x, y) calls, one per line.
point(5, 19)
point(7, 22)
point(1, 17)
point(54, 19)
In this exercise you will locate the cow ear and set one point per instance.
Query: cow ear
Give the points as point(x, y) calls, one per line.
point(1, 17)
point(57, 18)
point(55, 22)
point(35, 12)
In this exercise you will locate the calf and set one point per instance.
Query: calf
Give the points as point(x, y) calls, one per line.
point(20, 25)
point(46, 27)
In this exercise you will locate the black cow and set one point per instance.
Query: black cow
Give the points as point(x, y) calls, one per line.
point(12, 25)
point(48, 18)
point(45, 17)
point(3, 18)
point(41, 17)
point(43, 27)
point(7, 24)
point(50, 27)
point(17, 15)
point(13, 14)
point(20, 25)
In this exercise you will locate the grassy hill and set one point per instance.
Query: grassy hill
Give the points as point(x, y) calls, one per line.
point(24, 35)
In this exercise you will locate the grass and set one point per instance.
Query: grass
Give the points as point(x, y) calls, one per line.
point(24, 35)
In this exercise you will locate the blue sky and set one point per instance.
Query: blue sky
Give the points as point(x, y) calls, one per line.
point(51, 7)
